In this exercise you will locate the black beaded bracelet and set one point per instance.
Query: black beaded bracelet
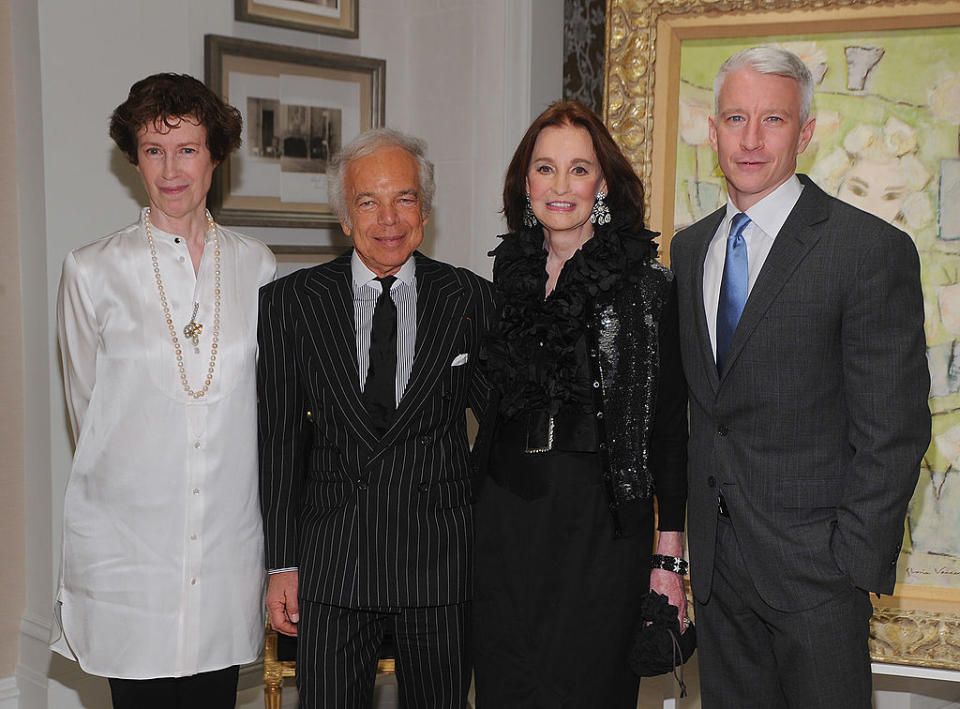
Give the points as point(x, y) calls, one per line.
point(669, 563)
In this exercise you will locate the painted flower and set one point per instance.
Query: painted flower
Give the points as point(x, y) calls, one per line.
point(899, 138)
point(694, 123)
point(866, 141)
point(829, 170)
point(944, 99)
point(811, 55)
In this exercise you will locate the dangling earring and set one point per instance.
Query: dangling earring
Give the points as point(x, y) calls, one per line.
point(600, 214)
point(529, 218)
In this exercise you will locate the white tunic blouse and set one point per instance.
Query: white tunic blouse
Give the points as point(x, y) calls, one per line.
point(162, 568)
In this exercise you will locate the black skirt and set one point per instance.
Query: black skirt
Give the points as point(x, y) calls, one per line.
point(556, 596)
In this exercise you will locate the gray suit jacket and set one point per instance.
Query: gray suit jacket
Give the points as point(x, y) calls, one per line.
point(817, 426)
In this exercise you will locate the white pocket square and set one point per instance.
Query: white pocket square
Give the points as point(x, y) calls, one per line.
point(460, 359)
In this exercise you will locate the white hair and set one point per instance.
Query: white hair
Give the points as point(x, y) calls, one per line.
point(769, 60)
point(366, 143)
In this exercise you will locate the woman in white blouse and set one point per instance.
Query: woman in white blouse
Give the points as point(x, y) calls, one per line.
point(162, 574)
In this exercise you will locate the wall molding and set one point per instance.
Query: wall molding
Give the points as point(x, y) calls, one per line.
point(9, 694)
point(34, 664)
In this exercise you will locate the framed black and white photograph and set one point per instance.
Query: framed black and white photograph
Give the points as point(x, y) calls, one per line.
point(338, 17)
point(299, 107)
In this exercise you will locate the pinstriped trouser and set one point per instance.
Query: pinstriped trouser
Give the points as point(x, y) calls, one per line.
point(337, 652)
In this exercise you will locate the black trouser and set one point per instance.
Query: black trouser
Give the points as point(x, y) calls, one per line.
point(207, 690)
point(337, 652)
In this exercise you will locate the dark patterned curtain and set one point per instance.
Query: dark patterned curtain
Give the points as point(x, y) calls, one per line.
point(584, 30)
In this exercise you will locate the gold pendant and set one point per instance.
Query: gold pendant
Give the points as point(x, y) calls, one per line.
point(193, 329)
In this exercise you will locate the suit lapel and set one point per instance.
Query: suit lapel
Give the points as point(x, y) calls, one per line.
point(331, 288)
point(706, 230)
point(797, 236)
point(440, 304)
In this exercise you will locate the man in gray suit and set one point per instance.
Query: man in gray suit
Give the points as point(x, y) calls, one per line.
point(801, 323)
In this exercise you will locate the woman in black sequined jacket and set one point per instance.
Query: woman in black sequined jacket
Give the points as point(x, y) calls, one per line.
point(588, 426)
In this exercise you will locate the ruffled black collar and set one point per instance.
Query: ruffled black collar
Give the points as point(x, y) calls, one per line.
point(532, 356)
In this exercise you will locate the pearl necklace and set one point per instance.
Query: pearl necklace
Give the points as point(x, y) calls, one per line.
point(215, 340)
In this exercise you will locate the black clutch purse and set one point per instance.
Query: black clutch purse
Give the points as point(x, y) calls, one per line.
point(658, 646)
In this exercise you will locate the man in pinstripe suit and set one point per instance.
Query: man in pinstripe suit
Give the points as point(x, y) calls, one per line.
point(367, 509)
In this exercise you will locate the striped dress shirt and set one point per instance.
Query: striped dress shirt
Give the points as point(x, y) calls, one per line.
point(366, 290)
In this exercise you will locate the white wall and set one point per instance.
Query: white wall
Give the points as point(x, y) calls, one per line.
point(458, 74)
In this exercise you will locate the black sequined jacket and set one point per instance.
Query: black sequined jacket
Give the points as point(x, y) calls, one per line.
point(624, 302)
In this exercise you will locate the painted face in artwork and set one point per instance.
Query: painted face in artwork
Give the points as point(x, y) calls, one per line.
point(875, 187)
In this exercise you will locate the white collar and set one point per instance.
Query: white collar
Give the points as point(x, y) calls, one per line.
point(363, 275)
point(772, 211)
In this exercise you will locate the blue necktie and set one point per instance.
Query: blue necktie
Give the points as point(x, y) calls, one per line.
point(733, 287)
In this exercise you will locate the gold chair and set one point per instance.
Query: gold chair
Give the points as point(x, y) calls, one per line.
point(279, 663)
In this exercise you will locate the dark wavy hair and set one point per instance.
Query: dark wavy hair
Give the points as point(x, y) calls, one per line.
point(625, 191)
point(166, 99)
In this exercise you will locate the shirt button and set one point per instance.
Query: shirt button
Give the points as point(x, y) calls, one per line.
point(193, 582)
point(193, 537)
point(196, 444)
point(596, 385)
point(177, 240)
point(362, 485)
point(196, 491)
point(182, 259)
point(599, 414)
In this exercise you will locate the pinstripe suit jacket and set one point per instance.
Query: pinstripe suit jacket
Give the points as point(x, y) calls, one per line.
point(370, 523)
point(816, 428)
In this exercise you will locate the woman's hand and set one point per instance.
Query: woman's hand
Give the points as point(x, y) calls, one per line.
point(668, 583)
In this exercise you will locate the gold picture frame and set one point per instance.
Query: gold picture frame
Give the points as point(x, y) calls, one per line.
point(336, 17)
point(300, 106)
point(918, 625)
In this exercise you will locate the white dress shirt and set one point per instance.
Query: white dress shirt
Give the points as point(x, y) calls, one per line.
point(162, 567)
point(766, 219)
point(366, 291)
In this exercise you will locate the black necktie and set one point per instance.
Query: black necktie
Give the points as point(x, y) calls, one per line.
point(379, 391)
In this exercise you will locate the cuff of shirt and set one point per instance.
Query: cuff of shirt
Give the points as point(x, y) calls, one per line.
point(280, 571)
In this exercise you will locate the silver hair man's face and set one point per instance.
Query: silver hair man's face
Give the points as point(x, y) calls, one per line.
point(384, 208)
point(758, 133)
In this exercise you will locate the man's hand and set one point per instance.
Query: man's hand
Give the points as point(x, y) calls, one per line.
point(282, 607)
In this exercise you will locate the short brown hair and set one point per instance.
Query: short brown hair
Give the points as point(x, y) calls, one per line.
point(625, 191)
point(166, 99)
